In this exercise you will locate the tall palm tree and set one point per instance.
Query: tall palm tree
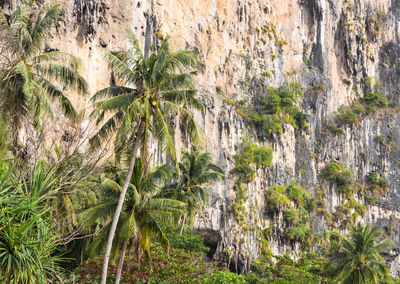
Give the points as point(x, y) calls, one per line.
point(359, 258)
point(144, 212)
point(153, 90)
point(31, 78)
point(196, 170)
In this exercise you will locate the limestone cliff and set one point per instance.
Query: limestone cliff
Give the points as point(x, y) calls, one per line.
point(331, 48)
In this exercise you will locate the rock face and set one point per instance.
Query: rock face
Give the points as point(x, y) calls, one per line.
point(336, 45)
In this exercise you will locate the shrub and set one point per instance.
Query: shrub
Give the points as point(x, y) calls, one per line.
point(337, 174)
point(262, 156)
point(188, 240)
point(375, 99)
point(297, 194)
point(248, 154)
point(317, 89)
point(276, 198)
point(224, 277)
point(346, 116)
point(334, 129)
point(291, 216)
point(301, 120)
point(277, 106)
point(379, 139)
point(300, 232)
point(271, 124)
point(376, 185)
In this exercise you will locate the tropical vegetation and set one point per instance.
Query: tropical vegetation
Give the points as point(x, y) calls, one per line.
point(74, 212)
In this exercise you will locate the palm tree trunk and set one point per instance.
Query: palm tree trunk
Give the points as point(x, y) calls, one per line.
point(183, 224)
point(120, 203)
point(137, 245)
point(121, 262)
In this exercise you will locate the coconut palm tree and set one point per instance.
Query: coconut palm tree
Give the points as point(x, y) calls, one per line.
point(30, 78)
point(153, 91)
point(359, 259)
point(196, 170)
point(144, 212)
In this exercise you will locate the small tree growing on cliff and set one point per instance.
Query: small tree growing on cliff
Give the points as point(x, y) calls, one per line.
point(155, 89)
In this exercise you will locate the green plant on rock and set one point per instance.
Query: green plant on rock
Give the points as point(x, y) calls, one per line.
point(346, 116)
point(341, 177)
point(276, 106)
point(375, 99)
point(297, 194)
point(317, 89)
point(276, 198)
point(249, 153)
point(379, 139)
point(376, 186)
point(301, 232)
point(334, 129)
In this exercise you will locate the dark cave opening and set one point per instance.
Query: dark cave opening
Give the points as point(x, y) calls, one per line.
point(211, 239)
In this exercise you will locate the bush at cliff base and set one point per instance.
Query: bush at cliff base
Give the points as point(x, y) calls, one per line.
point(224, 277)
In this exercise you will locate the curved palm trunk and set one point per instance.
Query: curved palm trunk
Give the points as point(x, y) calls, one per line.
point(120, 203)
point(121, 262)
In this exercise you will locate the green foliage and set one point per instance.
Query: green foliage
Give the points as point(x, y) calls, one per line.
point(302, 233)
point(291, 215)
point(145, 210)
point(28, 242)
point(307, 269)
point(376, 186)
point(224, 277)
point(341, 177)
point(279, 197)
point(173, 266)
point(30, 79)
point(301, 120)
point(152, 89)
point(276, 106)
point(196, 170)
point(276, 198)
point(379, 139)
point(262, 156)
point(346, 116)
point(188, 241)
point(375, 99)
point(297, 194)
point(358, 259)
point(249, 153)
point(334, 129)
